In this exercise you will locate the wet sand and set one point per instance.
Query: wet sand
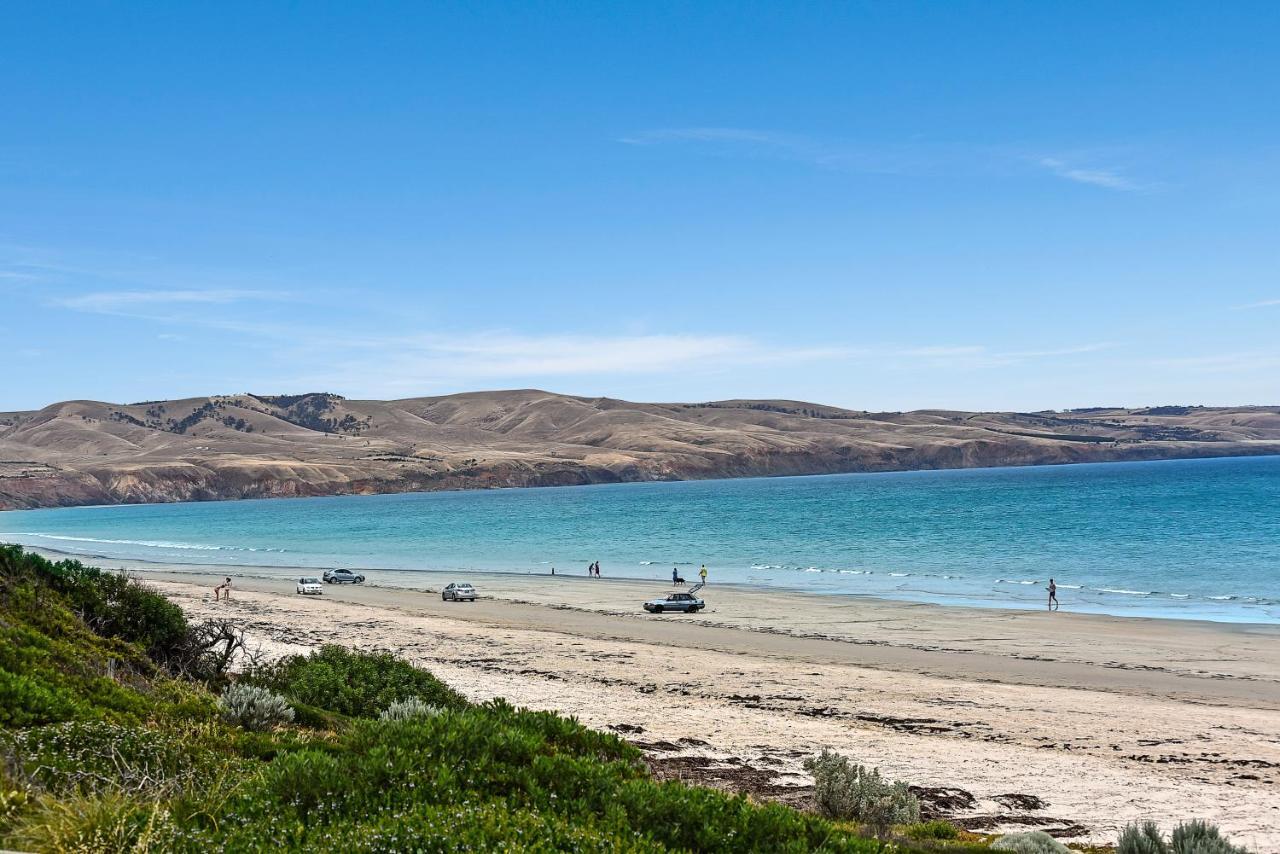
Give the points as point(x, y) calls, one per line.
point(1072, 723)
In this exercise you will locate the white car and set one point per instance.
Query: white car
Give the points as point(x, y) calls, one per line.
point(458, 592)
point(307, 586)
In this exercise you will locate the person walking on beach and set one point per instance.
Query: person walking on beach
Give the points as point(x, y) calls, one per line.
point(591, 570)
point(703, 574)
point(597, 569)
point(1053, 595)
point(223, 590)
point(675, 576)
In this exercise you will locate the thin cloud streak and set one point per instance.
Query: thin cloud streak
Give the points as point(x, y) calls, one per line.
point(1106, 178)
point(110, 302)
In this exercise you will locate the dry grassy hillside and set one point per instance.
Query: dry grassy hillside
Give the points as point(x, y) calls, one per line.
point(244, 446)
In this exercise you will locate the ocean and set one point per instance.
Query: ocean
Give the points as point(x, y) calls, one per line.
point(1192, 539)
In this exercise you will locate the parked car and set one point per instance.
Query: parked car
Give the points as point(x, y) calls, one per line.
point(685, 602)
point(308, 586)
point(342, 576)
point(458, 591)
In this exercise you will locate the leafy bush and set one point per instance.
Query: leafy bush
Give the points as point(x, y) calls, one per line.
point(848, 791)
point(106, 822)
point(1144, 838)
point(92, 756)
point(253, 708)
point(1030, 842)
point(936, 829)
point(414, 707)
point(1192, 837)
point(1200, 837)
point(356, 684)
point(110, 603)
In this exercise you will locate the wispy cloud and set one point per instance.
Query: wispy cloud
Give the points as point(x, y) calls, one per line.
point(398, 364)
point(111, 302)
point(908, 157)
point(1214, 363)
point(838, 155)
point(1109, 179)
point(1266, 303)
point(977, 356)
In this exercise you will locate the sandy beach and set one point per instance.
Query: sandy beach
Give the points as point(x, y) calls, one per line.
point(1005, 719)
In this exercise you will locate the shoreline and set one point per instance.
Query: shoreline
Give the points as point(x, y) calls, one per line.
point(1021, 720)
point(962, 603)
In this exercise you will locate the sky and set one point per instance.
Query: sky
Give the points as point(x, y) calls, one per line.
point(886, 206)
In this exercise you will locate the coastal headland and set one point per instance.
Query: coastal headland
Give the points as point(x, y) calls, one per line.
point(260, 446)
point(1002, 719)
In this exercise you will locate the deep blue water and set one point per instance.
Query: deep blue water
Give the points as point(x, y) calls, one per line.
point(1185, 538)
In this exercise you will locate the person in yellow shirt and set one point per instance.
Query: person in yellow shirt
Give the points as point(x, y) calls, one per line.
point(703, 574)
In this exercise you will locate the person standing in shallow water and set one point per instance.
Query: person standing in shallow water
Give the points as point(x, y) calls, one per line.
point(1053, 595)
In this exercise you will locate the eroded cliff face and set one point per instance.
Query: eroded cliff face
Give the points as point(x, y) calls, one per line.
point(244, 446)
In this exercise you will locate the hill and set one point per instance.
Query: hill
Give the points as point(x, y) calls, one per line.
point(250, 446)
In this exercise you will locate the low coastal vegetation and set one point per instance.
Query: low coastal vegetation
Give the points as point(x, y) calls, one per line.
point(124, 730)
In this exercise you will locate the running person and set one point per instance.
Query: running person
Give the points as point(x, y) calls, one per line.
point(1053, 595)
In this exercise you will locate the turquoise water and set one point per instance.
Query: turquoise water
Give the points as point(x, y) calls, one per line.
point(1186, 538)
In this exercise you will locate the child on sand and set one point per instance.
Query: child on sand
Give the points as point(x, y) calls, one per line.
point(223, 590)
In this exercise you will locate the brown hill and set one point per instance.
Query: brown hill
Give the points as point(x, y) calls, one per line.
point(248, 446)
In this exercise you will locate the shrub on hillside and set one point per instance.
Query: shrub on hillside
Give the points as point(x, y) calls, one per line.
point(1030, 842)
point(87, 756)
point(356, 684)
point(253, 708)
point(936, 829)
point(110, 603)
point(405, 710)
point(1200, 837)
point(1192, 837)
point(1144, 838)
point(845, 790)
point(104, 822)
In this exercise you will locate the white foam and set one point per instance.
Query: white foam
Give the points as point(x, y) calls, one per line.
point(154, 544)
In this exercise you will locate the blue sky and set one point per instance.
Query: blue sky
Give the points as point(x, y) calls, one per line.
point(878, 205)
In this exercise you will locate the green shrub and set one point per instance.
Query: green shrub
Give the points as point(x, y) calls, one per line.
point(253, 708)
point(1029, 842)
point(848, 791)
point(356, 684)
point(110, 603)
point(1200, 837)
point(936, 829)
point(1192, 837)
point(103, 823)
point(1144, 838)
point(92, 756)
point(414, 707)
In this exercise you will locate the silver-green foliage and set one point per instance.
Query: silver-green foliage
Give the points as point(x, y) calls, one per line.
point(845, 790)
point(1143, 838)
point(405, 710)
point(1030, 842)
point(1192, 837)
point(253, 708)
